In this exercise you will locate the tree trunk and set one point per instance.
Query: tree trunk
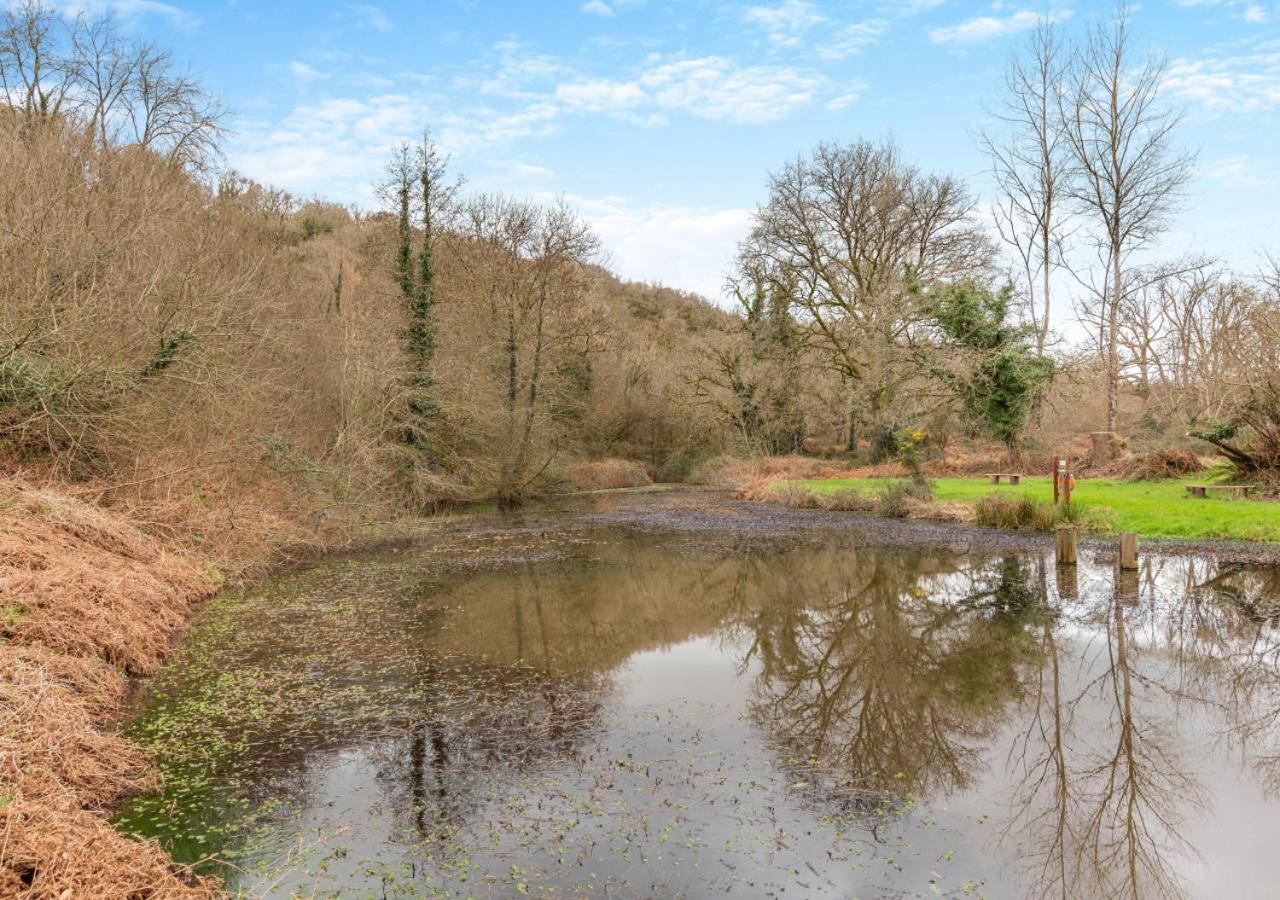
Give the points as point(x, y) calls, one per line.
point(1106, 447)
point(1113, 350)
point(1042, 336)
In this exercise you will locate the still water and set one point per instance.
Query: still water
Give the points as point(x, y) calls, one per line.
point(600, 713)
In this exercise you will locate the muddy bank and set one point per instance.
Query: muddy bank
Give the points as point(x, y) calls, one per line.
point(690, 512)
point(87, 600)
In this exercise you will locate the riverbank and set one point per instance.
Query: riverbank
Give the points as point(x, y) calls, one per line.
point(88, 600)
point(1153, 509)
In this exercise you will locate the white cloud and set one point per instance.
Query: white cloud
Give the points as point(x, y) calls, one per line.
point(1249, 10)
point(709, 87)
point(133, 9)
point(786, 23)
point(304, 73)
point(1237, 172)
point(519, 73)
point(597, 8)
point(850, 96)
point(480, 129)
point(689, 245)
point(986, 28)
point(370, 15)
point(601, 95)
point(1230, 84)
point(530, 171)
point(712, 87)
point(850, 39)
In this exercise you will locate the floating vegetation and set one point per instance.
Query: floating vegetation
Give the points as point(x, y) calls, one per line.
point(595, 714)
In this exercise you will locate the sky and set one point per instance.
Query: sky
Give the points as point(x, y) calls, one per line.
point(660, 119)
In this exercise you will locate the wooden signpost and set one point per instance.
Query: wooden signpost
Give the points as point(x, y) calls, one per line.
point(1063, 480)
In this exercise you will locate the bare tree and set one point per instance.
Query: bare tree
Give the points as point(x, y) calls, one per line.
point(1129, 172)
point(170, 113)
point(1030, 162)
point(528, 263)
point(36, 70)
point(84, 72)
point(107, 70)
point(857, 231)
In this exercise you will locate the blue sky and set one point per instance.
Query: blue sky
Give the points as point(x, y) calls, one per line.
point(660, 119)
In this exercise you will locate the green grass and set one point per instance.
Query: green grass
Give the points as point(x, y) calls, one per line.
point(1153, 509)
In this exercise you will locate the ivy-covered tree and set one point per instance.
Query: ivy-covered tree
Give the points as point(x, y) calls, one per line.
point(418, 188)
point(989, 363)
point(758, 370)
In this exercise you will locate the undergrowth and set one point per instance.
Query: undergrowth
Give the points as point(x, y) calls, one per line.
point(1023, 513)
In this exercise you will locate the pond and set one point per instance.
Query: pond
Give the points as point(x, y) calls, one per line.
point(591, 711)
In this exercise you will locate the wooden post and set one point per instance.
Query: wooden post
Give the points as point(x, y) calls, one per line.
point(1068, 585)
point(1128, 550)
point(1127, 586)
point(1066, 546)
point(1059, 464)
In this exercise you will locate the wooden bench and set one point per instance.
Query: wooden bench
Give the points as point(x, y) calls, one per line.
point(1235, 490)
point(995, 477)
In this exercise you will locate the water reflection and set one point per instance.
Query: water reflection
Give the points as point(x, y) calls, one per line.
point(886, 674)
point(1103, 786)
point(844, 719)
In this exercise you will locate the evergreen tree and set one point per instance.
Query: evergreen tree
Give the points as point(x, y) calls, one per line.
point(994, 370)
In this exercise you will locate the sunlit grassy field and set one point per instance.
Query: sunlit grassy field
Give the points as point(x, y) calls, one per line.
point(1154, 509)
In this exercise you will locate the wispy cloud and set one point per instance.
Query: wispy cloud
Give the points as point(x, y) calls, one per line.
point(135, 9)
point(786, 23)
point(305, 74)
point(1244, 83)
point(1238, 172)
point(372, 16)
point(986, 28)
point(597, 8)
point(708, 87)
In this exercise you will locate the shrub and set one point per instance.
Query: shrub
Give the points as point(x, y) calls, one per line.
point(1002, 511)
point(894, 500)
point(884, 444)
point(796, 498)
point(312, 226)
point(848, 501)
point(604, 474)
point(1161, 465)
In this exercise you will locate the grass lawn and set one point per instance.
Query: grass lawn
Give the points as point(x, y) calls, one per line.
point(1153, 509)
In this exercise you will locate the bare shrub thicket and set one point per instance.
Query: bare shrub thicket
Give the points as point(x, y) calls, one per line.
point(231, 360)
point(159, 332)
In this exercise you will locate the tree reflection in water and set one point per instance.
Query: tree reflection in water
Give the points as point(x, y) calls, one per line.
point(884, 676)
point(1242, 640)
point(884, 680)
point(870, 682)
